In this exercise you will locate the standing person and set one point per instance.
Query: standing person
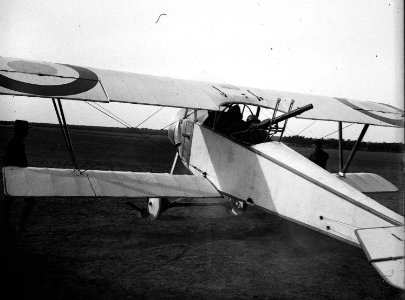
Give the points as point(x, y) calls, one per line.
point(319, 156)
point(15, 156)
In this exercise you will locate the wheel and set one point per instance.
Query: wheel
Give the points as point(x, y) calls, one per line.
point(237, 207)
point(154, 208)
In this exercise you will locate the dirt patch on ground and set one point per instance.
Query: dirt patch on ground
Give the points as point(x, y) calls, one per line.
point(98, 249)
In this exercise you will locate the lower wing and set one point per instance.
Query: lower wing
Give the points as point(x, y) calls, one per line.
point(47, 182)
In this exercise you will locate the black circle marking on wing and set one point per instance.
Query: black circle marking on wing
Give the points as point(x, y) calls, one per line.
point(86, 81)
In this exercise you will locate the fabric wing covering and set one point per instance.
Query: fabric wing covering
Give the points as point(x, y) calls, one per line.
point(368, 182)
point(46, 182)
point(50, 80)
point(384, 247)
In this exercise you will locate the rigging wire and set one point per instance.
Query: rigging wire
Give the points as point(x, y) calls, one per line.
point(337, 130)
point(109, 114)
point(128, 124)
point(122, 122)
point(290, 131)
point(306, 127)
point(149, 117)
point(116, 118)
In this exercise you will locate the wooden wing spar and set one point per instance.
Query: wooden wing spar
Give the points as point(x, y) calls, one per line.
point(50, 80)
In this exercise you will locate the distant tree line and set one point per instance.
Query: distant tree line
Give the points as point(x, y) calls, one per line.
point(296, 140)
point(301, 141)
point(94, 128)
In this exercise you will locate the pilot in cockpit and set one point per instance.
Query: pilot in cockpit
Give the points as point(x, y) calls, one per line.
point(252, 121)
point(231, 121)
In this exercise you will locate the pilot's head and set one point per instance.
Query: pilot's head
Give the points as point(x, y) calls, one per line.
point(21, 128)
point(252, 119)
point(235, 113)
point(318, 144)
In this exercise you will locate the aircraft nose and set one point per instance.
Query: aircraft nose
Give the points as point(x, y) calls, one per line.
point(171, 132)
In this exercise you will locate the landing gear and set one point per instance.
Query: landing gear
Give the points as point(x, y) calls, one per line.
point(156, 206)
point(237, 207)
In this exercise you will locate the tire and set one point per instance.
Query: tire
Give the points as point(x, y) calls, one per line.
point(154, 208)
point(237, 207)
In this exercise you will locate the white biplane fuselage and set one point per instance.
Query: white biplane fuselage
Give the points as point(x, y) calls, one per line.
point(274, 177)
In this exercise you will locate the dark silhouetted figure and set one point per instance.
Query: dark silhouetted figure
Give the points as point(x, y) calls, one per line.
point(252, 121)
point(231, 121)
point(319, 156)
point(15, 156)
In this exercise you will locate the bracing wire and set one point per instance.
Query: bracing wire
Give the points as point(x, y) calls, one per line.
point(306, 127)
point(126, 124)
point(105, 111)
point(290, 130)
point(337, 130)
point(112, 114)
point(122, 122)
point(149, 117)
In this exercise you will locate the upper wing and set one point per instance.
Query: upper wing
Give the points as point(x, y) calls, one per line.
point(324, 108)
point(42, 79)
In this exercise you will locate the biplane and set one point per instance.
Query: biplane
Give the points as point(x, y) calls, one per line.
point(227, 149)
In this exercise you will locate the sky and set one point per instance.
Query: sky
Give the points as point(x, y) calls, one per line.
point(349, 49)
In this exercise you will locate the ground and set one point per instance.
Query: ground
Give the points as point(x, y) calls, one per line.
point(98, 249)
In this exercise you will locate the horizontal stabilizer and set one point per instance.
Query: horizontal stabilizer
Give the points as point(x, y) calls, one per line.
point(46, 182)
point(368, 182)
point(384, 247)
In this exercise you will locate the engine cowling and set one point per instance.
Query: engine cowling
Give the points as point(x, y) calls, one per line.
point(174, 129)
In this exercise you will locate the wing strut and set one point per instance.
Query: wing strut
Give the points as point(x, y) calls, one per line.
point(340, 148)
point(285, 122)
point(273, 122)
point(353, 152)
point(65, 130)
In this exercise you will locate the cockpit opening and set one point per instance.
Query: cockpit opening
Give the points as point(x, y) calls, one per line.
point(240, 123)
point(245, 126)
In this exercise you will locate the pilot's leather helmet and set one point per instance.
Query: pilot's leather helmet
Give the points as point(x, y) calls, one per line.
point(21, 125)
point(252, 118)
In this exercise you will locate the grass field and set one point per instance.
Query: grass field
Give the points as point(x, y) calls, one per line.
point(98, 249)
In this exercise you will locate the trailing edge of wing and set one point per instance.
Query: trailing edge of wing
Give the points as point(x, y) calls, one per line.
point(384, 248)
point(43, 79)
point(46, 182)
point(368, 182)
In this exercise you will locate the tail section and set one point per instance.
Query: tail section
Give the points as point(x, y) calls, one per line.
point(384, 247)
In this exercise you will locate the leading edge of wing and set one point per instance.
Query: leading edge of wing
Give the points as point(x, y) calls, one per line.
point(49, 182)
point(49, 80)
